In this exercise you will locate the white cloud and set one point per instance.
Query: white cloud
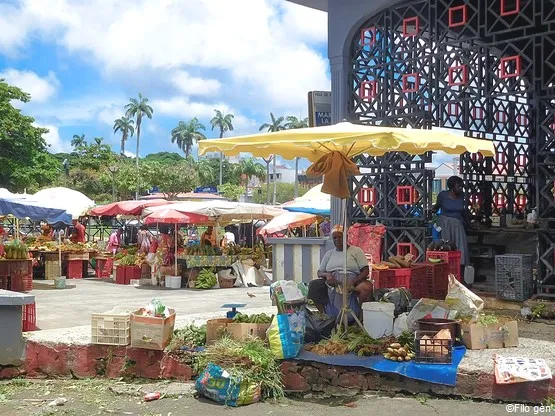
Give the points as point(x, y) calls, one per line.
point(57, 145)
point(262, 46)
point(184, 108)
point(189, 85)
point(40, 89)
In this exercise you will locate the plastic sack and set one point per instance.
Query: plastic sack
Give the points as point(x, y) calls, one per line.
point(286, 334)
point(463, 300)
point(318, 327)
point(429, 308)
point(400, 297)
point(217, 384)
point(288, 291)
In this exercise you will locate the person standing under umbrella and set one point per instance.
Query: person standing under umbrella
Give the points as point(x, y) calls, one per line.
point(453, 218)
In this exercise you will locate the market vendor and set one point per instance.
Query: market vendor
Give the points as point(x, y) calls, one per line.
point(208, 238)
point(325, 291)
point(453, 218)
point(114, 242)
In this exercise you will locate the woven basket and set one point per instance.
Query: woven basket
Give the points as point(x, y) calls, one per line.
point(226, 283)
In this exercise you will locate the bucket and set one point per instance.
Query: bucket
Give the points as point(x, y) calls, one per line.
point(436, 324)
point(378, 318)
point(60, 282)
point(173, 282)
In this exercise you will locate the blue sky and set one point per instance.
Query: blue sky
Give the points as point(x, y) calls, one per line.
point(81, 61)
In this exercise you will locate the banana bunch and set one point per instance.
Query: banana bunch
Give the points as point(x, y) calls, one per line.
point(396, 352)
point(206, 279)
point(260, 318)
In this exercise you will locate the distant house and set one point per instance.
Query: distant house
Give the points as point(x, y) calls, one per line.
point(442, 173)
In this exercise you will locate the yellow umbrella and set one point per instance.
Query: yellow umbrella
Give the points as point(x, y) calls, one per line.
point(331, 147)
point(350, 139)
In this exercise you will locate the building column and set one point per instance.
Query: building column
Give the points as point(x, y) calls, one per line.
point(339, 104)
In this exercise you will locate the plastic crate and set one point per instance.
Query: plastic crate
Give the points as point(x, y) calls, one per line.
point(29, 317)
point(433, 284)
point(452, 258)
point(51, 269)
point(75, 269)
point(21, 282)
point(432, 351)
point(111, 328)
point(104, 267)
point(513, 277)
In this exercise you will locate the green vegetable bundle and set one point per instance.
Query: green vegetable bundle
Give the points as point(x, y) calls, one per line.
point(190, 336)
point(260, 318)
point(206, 279)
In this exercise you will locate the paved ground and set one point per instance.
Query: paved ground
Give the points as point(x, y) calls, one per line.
point(100, 397)
point(73, 306)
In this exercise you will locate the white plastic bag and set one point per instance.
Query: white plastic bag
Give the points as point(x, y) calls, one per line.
point(463, 300)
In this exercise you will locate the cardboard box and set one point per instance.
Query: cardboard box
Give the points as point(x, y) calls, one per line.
point(217, 328)
point(151, 333)
point(503, 334)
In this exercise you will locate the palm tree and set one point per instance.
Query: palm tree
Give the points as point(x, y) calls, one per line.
point(296, 123)
point(250, 167)
point(274, 125)
point(187, 134)
point(138, 108)
point(125, 126)
point(224, 122)
point(78, 141)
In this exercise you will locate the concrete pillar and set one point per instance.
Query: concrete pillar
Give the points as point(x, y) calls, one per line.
point(339, 102)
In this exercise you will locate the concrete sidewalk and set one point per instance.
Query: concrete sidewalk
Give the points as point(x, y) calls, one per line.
point(73, 306)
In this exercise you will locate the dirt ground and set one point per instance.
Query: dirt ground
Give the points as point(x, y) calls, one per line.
point(110, 397)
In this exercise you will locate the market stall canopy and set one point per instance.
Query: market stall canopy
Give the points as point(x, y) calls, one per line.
point(132, 208)
point(34, 210)
point(171, 216)
point(287, 220)
point(74, 202)
point(350, 139)
point(313, 202)
point(224, 212)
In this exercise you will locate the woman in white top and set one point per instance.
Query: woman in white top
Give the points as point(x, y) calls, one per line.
point(323, 291)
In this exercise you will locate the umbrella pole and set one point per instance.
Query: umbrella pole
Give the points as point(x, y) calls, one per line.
point(175, 256)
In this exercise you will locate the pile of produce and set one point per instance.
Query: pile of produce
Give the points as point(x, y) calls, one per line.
point(15, 250)
point(206, 279)
point(202, 251)
point(354, 340)
point(249, 360)
point(190, 337)
point(260, 318)
point(398, 352)
point(394, 262)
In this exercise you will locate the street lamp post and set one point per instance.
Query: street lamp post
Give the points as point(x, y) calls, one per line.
point(113, 169)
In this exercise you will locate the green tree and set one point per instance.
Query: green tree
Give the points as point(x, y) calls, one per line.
point(285, 193)
point(275, 124)
point(231, 191)
point(296, 123)
point(223, 122)
point(167, 158)
point(125, 126)
point(138, 108)
point(251, 168)
point(187, 134)
point(182, 177)
point(22, 144)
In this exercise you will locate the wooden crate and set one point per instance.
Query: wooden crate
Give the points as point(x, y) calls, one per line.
point(151, 333)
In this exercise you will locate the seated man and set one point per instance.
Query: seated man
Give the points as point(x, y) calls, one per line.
point(324, 291)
